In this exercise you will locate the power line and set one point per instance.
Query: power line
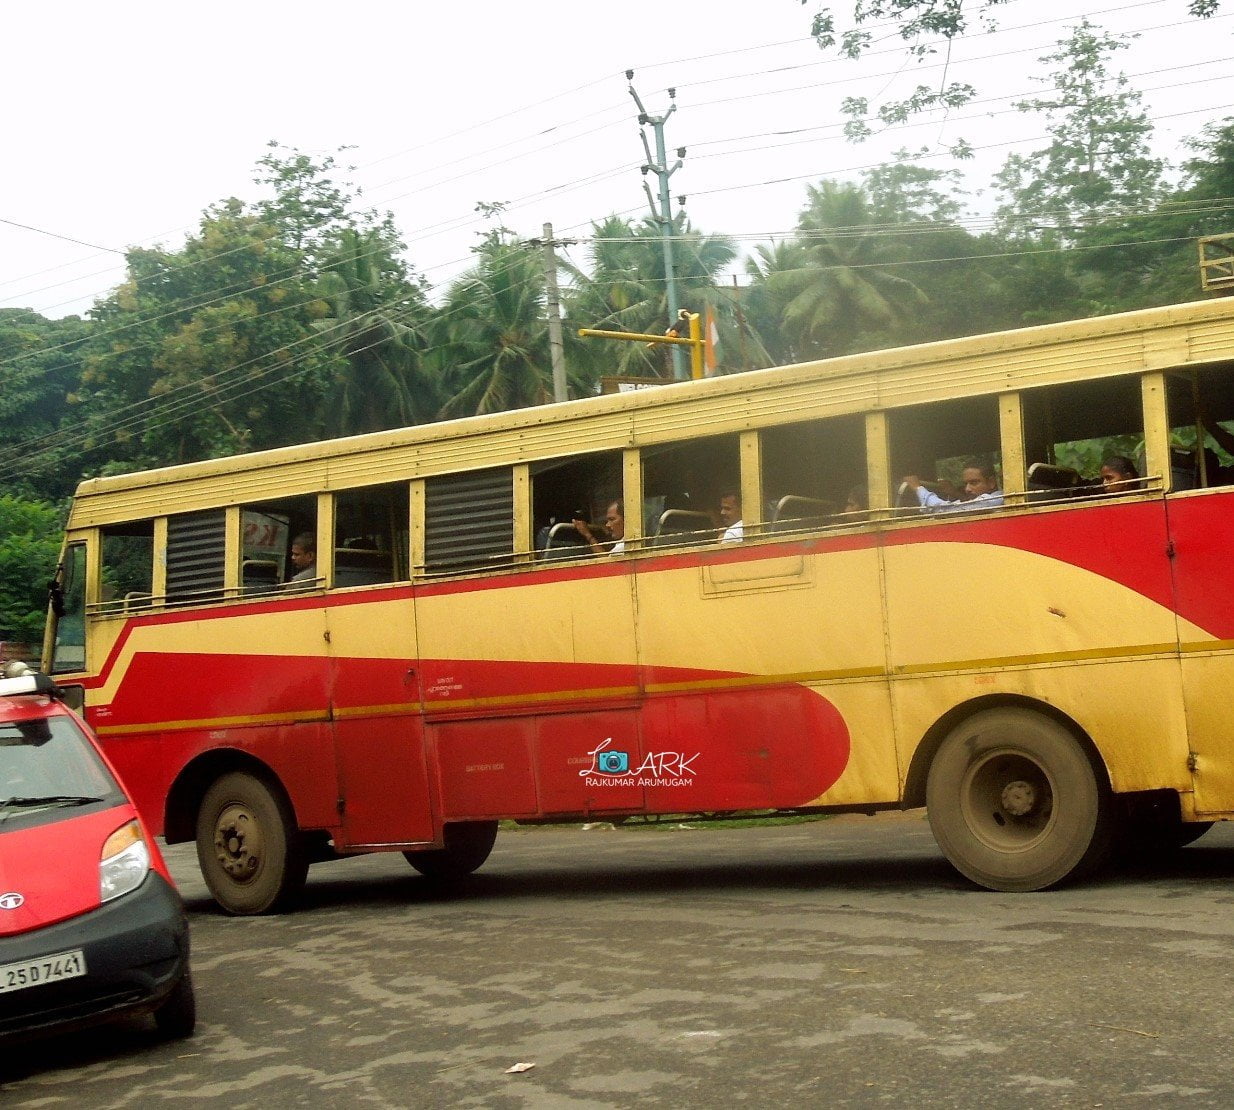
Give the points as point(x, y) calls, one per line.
point(57, 235)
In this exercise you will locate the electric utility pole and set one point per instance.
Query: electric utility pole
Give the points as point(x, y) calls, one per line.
point(663, 215)
point(553, 304)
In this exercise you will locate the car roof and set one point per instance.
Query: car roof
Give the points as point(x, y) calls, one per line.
point(29, 696)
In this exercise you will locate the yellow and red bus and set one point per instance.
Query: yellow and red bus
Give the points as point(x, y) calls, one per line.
point(1046, 670)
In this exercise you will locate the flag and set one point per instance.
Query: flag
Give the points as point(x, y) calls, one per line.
point(711, 335)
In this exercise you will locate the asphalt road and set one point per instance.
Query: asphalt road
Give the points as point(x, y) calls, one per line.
point(837, 963)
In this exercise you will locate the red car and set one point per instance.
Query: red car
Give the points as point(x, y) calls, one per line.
point(91, 925)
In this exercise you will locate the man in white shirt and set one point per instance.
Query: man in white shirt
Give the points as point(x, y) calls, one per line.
point(614, 525)
point(730, 517)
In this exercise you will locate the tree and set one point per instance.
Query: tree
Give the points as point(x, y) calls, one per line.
point(205, 351)
point(626, 290)
point(40, 363)
point(927, 28)
point(772, 268)
point(1098, 163)
point(844, 298)
point(1151, 259)
point(490, 339)
point(30, 534)
point(377, 315)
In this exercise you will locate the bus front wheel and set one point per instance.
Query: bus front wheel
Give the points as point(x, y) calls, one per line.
point(248, 845)
point(467, 846)
point(1015, 802)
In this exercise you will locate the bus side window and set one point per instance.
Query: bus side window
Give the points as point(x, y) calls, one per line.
point(127, 566)
point(1073, 428)
point(936, 443)
point(469, 521)
point(196, 557)
point(682, 487)
point(69, 649)
point(565, 490)
point(1201, 416)
point(814, 474)
point(267, 532)
point(370, 535)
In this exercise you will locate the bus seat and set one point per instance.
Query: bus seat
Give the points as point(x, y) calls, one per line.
point(564, 542)
point(1047, 482)
point(360, 567)
point(1184, 473)
point(259, 576)
point(678, 526)
point(794, 512)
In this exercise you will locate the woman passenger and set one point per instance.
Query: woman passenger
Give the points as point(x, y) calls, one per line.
point(1119, 475)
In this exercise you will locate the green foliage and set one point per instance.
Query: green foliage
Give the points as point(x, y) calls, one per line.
point(836, 292)
point(205, 351)
point(29, 547)
point(375, 326)
point(490, 347)
point(927, 29)
point(1098, 161)
point(626, 290)
point(40, 365)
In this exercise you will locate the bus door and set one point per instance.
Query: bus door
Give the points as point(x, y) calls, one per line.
point(531, 693)
point(1202, 537)
point(378, 734)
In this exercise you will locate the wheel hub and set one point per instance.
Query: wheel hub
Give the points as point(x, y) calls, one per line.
point(1019, 798)
point(238, 843)
point(1008, 800)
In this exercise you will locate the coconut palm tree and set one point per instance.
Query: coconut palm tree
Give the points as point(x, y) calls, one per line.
point(490, 338)
point(626, 290)
point(842, 298)
point(375, 319)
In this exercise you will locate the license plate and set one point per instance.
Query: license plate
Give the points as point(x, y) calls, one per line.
point(48, 969)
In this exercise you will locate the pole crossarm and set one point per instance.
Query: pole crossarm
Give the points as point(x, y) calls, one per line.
point(696, 341)
point(594, 333)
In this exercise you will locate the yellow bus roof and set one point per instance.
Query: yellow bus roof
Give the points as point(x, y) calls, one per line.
point(1149, 339)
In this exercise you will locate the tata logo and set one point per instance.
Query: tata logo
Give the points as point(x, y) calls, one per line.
point(11, 901)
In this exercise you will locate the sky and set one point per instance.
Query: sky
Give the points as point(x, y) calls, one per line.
point(124, 122)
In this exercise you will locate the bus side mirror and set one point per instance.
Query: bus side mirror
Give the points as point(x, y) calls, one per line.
point(55, 596)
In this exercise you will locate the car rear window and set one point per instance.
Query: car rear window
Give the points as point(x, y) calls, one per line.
point(48, 767)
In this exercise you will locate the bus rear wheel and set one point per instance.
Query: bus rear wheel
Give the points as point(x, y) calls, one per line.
point(1015, 802)
point(248, 845)
point(467, 846)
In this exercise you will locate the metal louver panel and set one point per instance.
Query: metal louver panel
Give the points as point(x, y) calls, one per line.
point(469, 520)
point(195, 556)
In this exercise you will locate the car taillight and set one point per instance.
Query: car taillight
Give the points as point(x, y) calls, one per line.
point(125, 862)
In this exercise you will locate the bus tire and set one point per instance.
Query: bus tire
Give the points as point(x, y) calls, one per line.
point(1153, 827)
point(248, 845)
point(467, 846)
point(1015, 802)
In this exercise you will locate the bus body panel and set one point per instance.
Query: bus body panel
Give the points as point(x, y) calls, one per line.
point(383, 786)
point(418, 741)
point(1202, 535)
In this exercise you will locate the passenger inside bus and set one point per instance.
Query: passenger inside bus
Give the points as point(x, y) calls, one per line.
point(730, 517)
point(981, 490)
point(304, 557)
point(1119, 475)
point(614, 526)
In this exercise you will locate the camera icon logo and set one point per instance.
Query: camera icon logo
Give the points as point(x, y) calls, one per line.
point(613, 763)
